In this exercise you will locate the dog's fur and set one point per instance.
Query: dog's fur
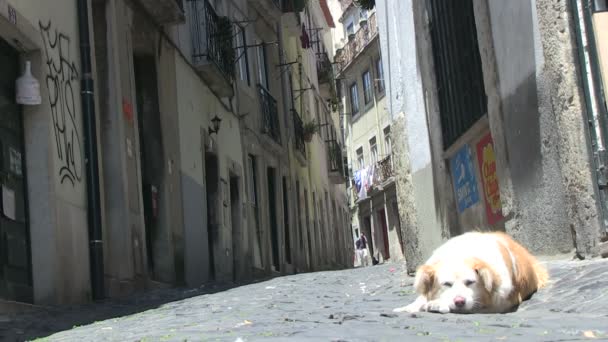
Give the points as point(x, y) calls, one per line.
point(477, 273)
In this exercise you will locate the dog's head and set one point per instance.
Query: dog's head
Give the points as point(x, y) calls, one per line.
point(464, 286)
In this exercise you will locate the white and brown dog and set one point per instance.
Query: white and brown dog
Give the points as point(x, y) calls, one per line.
point(477, 273)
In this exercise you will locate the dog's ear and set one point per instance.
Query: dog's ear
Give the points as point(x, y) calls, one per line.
point(486, 275)
point(425, 279)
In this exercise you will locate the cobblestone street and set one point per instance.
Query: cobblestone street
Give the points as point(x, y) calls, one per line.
point(351, 305)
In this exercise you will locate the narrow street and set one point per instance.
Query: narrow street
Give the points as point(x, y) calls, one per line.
point(351, 305)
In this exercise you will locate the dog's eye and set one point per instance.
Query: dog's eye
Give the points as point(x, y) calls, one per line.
point(447, 284)
point(469, 282)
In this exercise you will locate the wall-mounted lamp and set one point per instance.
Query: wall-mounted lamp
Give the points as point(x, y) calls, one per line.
point(28, 88)
point(215, 122)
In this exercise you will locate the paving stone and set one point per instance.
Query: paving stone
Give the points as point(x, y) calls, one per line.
point(350, 305)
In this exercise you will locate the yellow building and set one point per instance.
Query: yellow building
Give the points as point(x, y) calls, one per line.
point(367, 123)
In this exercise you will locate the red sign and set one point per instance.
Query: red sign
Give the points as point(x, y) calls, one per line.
point(489, 178)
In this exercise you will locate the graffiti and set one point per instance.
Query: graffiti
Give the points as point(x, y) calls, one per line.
point(61, 82)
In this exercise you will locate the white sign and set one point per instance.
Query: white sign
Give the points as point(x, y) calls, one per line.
point(8, 203)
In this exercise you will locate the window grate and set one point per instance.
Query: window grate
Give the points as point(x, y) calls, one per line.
point(458, 70)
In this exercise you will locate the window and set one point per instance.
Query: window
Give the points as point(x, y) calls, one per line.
point(373, 149)
point(241, 54)
point(262, 72)
point(360, 158)
point(367, 87)
point(388, 145)
point(380, 75)
point(354, 99)
point(461, 93)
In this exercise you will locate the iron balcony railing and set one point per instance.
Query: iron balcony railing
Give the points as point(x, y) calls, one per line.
point(298, 127)
point(334, 153)
point(211, 37)
point(324, 72)
point(270, 114)
point(385, 167)
point(364, 35)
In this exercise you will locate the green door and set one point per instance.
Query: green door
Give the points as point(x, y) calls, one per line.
point(15, 264)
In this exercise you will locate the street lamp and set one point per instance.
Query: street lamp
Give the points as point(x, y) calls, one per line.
point(215, 122)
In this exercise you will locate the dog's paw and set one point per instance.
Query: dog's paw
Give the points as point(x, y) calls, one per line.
point(436, 306)
point(409, 308)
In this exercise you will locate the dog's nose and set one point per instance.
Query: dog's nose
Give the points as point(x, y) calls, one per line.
point(459, 301)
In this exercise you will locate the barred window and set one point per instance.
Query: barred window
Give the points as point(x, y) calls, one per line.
point(461, 92)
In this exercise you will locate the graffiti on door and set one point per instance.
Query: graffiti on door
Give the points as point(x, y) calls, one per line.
point(62, 85)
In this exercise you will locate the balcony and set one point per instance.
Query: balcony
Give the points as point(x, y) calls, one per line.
point(363, 37)
point(212, 51)
point(269, 9)
point(295, 6)
point(335, 163)
point(270, 115)
point(298, 127)
point(324, 70)
point(165, 11)
point(385, 170)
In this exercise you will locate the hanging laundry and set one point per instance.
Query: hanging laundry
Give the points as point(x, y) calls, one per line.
point(364, 183)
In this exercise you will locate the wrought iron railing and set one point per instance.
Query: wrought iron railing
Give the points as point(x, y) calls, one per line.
point(211, 37)
point(324, 72)
point(270, 114)
point(363, 37)
point(385, 167)
point(334, 153)
point(298, 127)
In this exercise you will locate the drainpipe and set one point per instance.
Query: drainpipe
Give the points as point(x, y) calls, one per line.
point(90, 151)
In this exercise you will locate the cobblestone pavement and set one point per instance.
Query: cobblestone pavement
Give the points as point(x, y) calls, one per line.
point(350, 305)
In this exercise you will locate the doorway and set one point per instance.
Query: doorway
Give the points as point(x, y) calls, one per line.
point(235, 215)
point(151, 154)
point(367, 229)
point(212, 181)
point(384, 231)
point(286, 222)
point(274, 229)
point(15, 254)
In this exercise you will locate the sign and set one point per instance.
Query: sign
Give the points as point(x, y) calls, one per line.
point(8, 203)
point(463, 175)
point(489, 178)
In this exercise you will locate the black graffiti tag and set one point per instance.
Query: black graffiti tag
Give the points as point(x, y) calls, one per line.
point(61, 80)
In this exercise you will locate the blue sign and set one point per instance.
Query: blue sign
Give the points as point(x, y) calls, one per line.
point(463, 175)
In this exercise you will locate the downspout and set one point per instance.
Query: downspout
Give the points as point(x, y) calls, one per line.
point(90, 151)
point(388, 59)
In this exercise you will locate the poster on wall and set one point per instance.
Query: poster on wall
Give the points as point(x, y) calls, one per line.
point(463, 176)
point(489, 178)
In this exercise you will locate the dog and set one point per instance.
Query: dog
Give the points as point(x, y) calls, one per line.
point(477, 272)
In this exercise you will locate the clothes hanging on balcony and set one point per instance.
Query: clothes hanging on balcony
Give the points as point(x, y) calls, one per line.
point(359, 178)
point(371, 174)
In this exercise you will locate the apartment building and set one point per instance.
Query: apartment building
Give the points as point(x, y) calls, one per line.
point(166, 149)
point(367, 127)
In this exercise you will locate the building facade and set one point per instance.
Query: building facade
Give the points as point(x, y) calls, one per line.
point(166, 148)
point(490, 124)
point(367, 127)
